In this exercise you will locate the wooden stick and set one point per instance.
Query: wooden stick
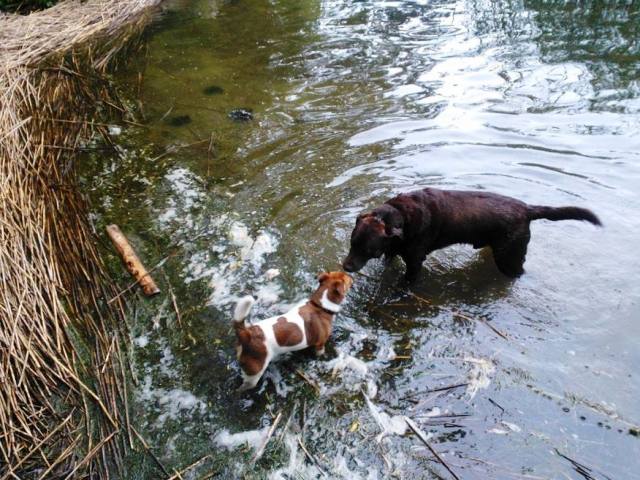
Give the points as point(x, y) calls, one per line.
point(132, 262)
point(423, 438)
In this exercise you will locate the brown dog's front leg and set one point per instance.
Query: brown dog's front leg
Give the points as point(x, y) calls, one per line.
point(319, 350)
point(413, 261)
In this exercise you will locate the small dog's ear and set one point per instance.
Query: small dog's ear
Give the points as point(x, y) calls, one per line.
point(322, 276)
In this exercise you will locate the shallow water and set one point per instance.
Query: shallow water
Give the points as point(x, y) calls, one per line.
point(353, 102)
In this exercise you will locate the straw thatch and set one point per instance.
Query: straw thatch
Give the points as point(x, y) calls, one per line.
point(62, 374)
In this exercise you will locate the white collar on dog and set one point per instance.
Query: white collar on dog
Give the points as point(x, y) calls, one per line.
point(328, 304)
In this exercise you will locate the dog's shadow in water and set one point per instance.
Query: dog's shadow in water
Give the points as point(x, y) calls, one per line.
point(452, 277)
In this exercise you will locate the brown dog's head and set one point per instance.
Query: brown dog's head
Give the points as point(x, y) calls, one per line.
point(370, 238)
point(336, 284)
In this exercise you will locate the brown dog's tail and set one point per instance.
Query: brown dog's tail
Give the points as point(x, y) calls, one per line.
point(563, 213)
point(243, 307)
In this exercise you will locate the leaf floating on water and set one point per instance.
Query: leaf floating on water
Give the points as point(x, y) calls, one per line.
point(355, 425)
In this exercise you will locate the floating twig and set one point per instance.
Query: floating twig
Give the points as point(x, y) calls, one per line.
point(424, 440)
point(150, 452)
point(311, 457)
point(493, 402)
point(311, 382)
point(179, 473)
point(448, 387)
point(173, 300)
point(580, 468)
point(260, 450)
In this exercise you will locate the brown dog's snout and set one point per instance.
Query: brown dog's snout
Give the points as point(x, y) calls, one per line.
point(347, 265)
point(352, 264)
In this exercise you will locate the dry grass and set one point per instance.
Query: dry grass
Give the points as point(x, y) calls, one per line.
point(62, 374)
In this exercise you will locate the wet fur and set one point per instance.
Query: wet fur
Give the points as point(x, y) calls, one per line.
point(414, 224)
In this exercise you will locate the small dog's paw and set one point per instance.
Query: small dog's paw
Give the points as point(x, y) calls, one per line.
point(320, 352)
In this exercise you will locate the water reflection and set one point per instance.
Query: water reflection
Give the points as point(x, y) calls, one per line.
point(354, 102)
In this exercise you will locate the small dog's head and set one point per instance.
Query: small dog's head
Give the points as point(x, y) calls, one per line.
point(370, 238)
point(336, 284)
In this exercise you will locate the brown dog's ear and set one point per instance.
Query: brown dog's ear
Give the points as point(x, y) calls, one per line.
point(396, 233)
point(322, 276)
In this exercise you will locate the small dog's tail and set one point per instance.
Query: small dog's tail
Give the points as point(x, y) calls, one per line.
point(243, 307)
point(563, 213)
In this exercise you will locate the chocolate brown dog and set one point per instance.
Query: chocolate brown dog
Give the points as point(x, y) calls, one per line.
point(415, 224)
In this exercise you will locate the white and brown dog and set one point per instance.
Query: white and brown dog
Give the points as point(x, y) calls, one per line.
point(308, 324)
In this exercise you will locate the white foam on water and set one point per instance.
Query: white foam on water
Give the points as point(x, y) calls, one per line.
point(141, 341)
point(271, 274)
point(344, 361)
point(479, 377)
point(386, 354)
point(186, 193)
point(166, 363)
point(263, 245)
point(177, 402)
point(434, 412)
point(162, 403)
point(172, 403)
point(243, 256)
point(296, 461)
point(275, 376)
point(252, 438)
point(233, 255)
point(298, 467)
point(268, 293)
point(239, 236)
point(390, 425)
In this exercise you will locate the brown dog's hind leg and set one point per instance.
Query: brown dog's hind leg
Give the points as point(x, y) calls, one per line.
point(509, 254)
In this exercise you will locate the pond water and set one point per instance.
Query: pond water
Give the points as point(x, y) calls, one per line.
point(351, 103)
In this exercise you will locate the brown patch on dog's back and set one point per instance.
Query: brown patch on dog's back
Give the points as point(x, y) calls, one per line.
point(287, 334)
point(254, 349)
point(317, 324)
